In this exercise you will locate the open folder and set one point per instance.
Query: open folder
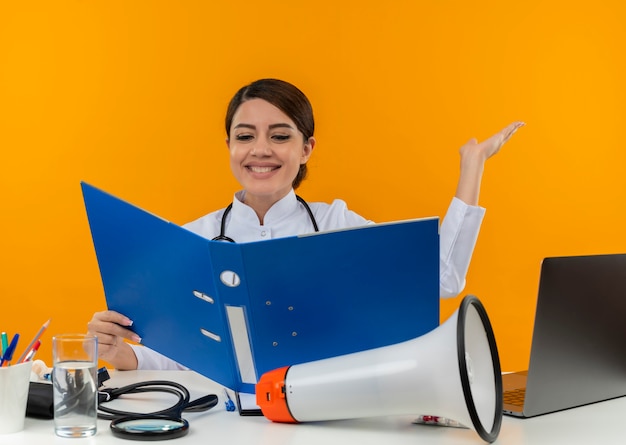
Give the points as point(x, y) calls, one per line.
point(235, 311)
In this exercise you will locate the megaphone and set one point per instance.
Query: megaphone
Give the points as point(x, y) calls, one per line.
point(425, 375)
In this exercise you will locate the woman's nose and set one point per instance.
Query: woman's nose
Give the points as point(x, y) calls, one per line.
point(261, 148)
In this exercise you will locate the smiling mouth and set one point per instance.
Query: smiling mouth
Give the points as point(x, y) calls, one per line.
point(261, 169)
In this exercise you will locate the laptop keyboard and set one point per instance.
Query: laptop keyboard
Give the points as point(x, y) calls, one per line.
point(515, 396)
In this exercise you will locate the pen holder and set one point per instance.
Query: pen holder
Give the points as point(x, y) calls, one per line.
point(14, 383)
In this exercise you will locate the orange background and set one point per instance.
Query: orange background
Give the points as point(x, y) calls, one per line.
point(130, 96)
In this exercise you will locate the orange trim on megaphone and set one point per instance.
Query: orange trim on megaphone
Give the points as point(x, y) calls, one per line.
point(271, 398)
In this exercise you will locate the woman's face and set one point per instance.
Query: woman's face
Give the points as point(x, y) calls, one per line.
point(266, 150)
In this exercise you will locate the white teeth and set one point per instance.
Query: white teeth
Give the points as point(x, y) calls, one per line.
point(261, 169)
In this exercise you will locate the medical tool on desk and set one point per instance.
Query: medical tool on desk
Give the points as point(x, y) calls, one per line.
point(158, 425)
point(163, 424)
point(452, 371)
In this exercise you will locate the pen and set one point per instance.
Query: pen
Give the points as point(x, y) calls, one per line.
point(230, 405)
point(5, 343)
point(32, 352)
point(32, 343)
point(8, 354)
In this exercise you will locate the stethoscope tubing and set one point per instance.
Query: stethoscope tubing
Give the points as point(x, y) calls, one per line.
point(222, 236)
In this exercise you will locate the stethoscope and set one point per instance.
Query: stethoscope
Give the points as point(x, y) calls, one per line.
point(164, 424)
point(223, 237)
point(167, 423)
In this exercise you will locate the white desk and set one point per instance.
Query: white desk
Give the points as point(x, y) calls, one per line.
point(598, 423)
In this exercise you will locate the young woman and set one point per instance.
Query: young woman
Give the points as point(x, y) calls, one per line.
point(269, 127)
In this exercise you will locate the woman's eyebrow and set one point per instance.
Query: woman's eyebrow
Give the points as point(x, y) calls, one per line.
point(250, 126)
point(271, 127)
point(281, 125)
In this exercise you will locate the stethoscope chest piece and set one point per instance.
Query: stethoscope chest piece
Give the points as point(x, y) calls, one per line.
point(149, 427)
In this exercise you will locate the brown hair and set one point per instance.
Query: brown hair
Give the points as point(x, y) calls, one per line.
point(284, 96)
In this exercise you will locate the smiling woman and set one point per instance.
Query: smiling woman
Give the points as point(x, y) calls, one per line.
point(269, 127)
point(289, 100)
point(267, 151)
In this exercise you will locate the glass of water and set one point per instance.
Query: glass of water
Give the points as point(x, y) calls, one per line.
point(75, 384)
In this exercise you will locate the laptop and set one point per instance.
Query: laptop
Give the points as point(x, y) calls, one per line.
point(578, 351)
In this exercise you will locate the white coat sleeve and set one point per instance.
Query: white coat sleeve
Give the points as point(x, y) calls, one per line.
point(458, 234)
point(149, 359)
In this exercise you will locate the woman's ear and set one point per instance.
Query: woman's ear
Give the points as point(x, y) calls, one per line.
point(227, 143)
point(309, 145)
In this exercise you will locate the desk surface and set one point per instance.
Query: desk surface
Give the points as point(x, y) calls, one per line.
point(598, 423)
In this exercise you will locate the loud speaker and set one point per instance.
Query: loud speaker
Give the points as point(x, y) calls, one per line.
point(452, 371)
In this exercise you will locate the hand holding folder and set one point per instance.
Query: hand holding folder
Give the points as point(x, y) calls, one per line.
point(234, 311)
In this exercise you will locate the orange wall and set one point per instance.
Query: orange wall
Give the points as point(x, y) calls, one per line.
point(130, 96)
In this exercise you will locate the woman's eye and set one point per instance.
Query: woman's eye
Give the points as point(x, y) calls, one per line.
point(243, 137)
point(281, 137)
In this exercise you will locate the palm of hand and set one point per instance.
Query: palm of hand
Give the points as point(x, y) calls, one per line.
point(492, 145)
